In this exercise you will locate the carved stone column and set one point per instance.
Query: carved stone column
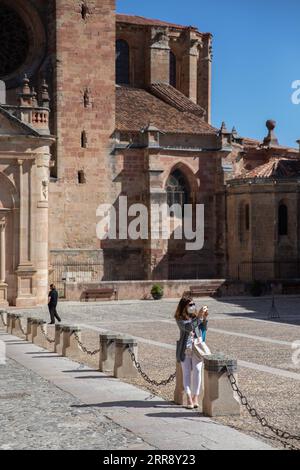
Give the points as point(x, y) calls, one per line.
point(25, 271)
point(190, 66)
point(159, 56)
point(41, 225)
point(3, 285)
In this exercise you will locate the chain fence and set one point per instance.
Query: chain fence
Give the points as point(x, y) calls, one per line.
point(163, 383)
point(52, 341)
point(254, 413)
point(25, 333)
point(280, 434)
point(2, 318)
point(83, 348)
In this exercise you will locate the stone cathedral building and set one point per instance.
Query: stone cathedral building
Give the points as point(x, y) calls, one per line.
point(96, 105)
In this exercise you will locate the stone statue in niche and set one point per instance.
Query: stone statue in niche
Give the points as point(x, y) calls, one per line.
point(160, 38)
point(45, 184)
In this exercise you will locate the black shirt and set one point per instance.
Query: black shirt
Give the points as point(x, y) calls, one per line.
point(53, 294)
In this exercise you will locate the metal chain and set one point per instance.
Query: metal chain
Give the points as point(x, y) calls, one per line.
point(253, 412)
point(46, 336)
point(22, 329)
point(83, 348)
point(2, 318)
point(146, 377)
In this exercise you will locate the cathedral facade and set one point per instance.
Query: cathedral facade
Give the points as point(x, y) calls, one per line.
point(95, 107)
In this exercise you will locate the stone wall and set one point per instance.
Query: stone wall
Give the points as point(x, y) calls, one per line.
point(138, 290)
point(149, 57)
point(84, 115)
point(260, 252)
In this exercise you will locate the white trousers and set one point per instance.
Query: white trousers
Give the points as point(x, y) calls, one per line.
point(192, 374)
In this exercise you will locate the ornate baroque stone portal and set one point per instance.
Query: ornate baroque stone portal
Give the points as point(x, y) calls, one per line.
point(24, 179)
point(3, 285)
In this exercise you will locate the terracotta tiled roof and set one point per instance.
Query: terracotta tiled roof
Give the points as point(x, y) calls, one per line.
point(170, 95)
point(140, 20)
point(137, 107)
point(248, 142)
point(276, 168)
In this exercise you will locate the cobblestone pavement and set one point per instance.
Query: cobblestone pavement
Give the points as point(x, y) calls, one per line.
point(34, 414)
point(237, 327)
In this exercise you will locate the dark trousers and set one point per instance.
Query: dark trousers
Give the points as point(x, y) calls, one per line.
point(53, 313)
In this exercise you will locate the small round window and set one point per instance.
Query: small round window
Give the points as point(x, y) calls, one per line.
point(14, 41)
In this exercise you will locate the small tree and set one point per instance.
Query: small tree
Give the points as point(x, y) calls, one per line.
point(157, 291)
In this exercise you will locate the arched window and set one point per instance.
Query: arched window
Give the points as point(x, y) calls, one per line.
point(122, 62)
point(282, 219)
point(177, 189)
point(173, 69)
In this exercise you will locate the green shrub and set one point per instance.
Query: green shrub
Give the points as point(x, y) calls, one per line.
point(157, 291)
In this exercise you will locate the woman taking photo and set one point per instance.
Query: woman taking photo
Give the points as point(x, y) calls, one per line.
point(186, 317)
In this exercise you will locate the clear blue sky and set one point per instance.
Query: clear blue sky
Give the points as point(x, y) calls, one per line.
point(256, 58)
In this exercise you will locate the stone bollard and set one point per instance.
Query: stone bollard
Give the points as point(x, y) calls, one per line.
point(179, 393)
point(70, 346)
point(124, 367)
point(15, 328)
point(3, 318)
point(58, 345)
point(30, 322)
point(219, 398)
point(107, 352)
point(9, 322)
point(29, 325)
point(33, 330)
point(39, 339)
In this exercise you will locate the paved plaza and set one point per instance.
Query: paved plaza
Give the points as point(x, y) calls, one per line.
point(52, 403)
point(238, 327)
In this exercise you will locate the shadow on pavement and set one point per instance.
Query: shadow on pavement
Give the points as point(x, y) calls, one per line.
point(259, 308)
point(129, 404)
point(184, 414)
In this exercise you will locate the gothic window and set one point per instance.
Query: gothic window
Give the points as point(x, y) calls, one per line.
point(177, 189)
point(282, 219)
point(122, 62)
point(173, 69)
point(14, 41)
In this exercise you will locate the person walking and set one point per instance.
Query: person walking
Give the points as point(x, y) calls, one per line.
point(52, 304)
point(186, 316)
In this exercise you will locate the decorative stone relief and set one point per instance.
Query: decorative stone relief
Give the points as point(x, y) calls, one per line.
point(45, 190)
point(160, 38)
